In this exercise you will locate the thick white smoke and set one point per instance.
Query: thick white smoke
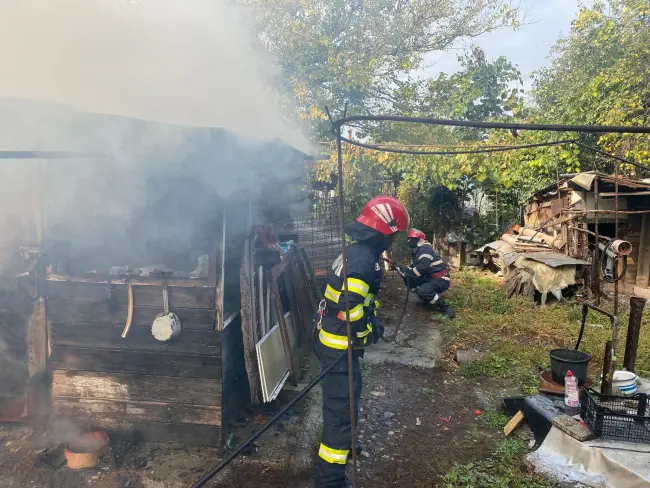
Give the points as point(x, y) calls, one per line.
point(187, 62)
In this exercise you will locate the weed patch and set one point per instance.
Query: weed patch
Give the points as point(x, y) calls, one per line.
point(517, 334)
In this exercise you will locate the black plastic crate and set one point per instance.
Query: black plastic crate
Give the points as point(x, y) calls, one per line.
point(617, 418)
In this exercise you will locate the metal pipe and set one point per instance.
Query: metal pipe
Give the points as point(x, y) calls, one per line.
point(396, 150)
point(617, 249)
point(617, 167)
point(580, 229)
point(587, 129)
point(606, 386)
point(344, 256)
point(610, 351)
point(596, 263)
point(633, 329)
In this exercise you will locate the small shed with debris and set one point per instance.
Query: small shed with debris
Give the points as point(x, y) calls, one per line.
point(581, 208)
point(148, 219)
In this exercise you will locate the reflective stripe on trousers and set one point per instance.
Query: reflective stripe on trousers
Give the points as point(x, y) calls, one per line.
point(329, 471)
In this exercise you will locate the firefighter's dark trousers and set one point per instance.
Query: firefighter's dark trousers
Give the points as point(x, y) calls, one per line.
point(336, 442)
point(430, 292)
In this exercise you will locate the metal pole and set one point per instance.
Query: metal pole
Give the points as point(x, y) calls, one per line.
point(633, 329)
point(617, 167)
point(606, 388)
point(596, 264)
point(496, 211)
point(344, 255)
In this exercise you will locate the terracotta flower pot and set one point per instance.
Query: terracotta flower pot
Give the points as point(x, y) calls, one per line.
point(84, 452)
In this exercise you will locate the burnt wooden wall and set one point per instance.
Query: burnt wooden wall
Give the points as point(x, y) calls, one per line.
point(161, 391)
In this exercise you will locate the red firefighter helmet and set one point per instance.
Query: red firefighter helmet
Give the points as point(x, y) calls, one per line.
point(385, 214)
point(416, 234)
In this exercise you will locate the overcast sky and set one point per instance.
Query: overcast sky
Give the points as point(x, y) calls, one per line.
point(528, 47)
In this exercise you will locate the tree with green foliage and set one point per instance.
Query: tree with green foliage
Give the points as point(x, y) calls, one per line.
point(363, 53)
point(600, 75)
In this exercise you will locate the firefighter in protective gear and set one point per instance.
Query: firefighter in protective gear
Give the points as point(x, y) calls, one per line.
point(368, 237)
point(428, 276)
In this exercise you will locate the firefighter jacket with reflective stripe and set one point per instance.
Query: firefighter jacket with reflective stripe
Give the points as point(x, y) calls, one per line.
point(362, 282)
point(426, 262)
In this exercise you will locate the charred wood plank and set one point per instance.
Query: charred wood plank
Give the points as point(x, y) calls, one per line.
point(160, 363)
point(146, 431)
point(248, 326)
point(129, 387)
point(114, 313)
point(194, 342)
point(83, 408)
point(144, 295)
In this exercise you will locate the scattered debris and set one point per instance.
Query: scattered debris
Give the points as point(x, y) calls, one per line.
point(468, 357)
point(573, 427)
point(418, 421)
point(388, 415)
point(51, 458)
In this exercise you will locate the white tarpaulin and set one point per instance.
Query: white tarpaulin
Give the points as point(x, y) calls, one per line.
point(597, 463)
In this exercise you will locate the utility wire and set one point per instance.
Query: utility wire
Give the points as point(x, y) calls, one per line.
point(613, 156)
point(587, 129)
point(375, 147)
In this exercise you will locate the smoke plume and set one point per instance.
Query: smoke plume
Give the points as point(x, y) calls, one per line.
point(188, 62)
point(181, 65)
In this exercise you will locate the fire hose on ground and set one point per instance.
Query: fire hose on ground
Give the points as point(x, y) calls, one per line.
point(242, 447)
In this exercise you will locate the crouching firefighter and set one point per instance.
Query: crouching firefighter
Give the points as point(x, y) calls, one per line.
point(428, 276)
point(368, 237)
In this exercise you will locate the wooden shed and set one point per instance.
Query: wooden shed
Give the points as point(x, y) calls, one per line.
point(102, 269)
point(578, 205)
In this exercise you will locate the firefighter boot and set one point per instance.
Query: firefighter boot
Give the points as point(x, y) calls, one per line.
point(446, 308)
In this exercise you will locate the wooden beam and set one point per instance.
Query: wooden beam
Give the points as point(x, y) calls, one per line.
point(144, 295)
point(112, 313)
point(37, 347)
point(137, 281)
point(194, 342)
point(181, 435)
point(513, 423)
point(178, 413)
point(69, 358)
point(129, 387)
point(248, 327)
point(643, 264)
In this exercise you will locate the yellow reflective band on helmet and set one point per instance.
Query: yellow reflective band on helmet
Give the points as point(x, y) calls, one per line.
point(357, 286)
point(332, 340)
point(333, 456)
point(356, 313)
point(332, 294)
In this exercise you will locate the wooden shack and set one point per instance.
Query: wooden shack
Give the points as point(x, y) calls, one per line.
point(101, 283)
point(579, 205)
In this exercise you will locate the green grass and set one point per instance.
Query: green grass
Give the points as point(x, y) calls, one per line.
point(501, 470)
point(517, 334)
point(496, 420)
